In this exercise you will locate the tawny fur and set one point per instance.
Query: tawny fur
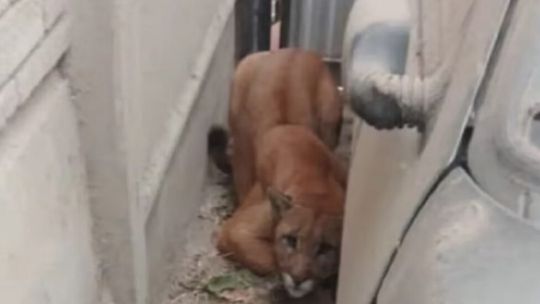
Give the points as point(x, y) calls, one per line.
point(293, 161)
point(288, 86)
point(284, 118)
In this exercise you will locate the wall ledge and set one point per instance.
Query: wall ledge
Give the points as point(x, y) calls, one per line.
point(161, 157)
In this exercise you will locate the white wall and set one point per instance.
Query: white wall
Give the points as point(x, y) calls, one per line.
point(45, 227)
point(102, 162)
point(181, 191)
point(168, 37)
point(45, 238)
point(101, 170)
point(141, 73)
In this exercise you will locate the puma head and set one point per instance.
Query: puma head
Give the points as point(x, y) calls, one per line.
point(306, 244)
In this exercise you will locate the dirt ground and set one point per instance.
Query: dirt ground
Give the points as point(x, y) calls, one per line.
point(205, 277)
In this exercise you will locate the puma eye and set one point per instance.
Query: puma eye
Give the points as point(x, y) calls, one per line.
point(290, 241)
point(325, 248)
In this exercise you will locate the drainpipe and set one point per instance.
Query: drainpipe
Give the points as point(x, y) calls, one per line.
point(253, 26)
point(374, 59)
point(285, 19)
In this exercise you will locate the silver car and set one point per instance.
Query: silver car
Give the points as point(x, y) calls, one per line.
point(444, 191)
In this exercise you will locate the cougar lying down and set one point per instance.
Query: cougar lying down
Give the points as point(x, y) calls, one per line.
point(284, 119)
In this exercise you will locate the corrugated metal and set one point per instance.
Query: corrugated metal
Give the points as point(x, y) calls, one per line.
point(319, 25)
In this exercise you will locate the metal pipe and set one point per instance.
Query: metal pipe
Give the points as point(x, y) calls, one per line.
point(262, 22)
point(374, 60)
point(253, 21)
point(285, 16)
point(317, 25)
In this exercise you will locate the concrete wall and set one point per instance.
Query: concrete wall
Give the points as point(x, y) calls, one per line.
point(140, 73)
point(102, 161)
point(45, 227)
point(181, 192)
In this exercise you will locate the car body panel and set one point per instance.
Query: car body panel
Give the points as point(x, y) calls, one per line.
point(504, 156)
point(393, 171)
point(464, 247)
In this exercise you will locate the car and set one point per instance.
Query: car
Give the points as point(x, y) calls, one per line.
point(443, 203)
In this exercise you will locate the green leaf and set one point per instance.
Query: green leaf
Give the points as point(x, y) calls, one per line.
point(248, 277)
point(225, 282)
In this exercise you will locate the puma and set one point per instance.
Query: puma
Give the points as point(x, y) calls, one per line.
point(290, 222)
point(284, 118)
point(287, 86)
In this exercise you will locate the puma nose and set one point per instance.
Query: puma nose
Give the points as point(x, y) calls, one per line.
point(298, 280)
point(297, 288)
point(300, 271)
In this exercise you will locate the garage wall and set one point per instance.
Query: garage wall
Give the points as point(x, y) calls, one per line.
point(102, 155)
point(181, 192)
point(46, 251)
point(149, 78)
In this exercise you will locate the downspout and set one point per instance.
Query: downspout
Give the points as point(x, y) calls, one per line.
point(253, 23)
point(374, 60)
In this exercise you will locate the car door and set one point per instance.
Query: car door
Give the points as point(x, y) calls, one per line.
point(394, 170)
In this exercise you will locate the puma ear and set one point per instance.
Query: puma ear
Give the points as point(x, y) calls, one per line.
point(280, 202)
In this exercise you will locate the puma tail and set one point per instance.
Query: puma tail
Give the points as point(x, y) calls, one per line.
point(218, 142)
